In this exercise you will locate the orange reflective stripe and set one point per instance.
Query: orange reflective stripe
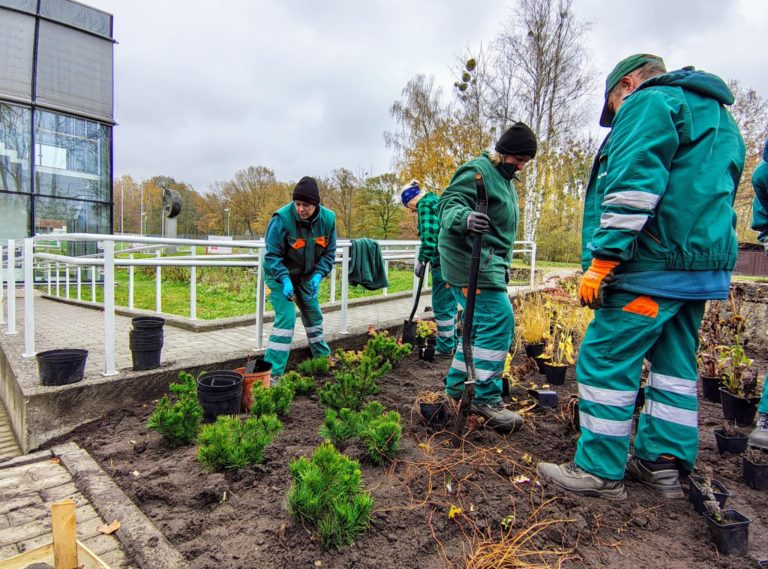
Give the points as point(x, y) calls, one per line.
point(321, 241)
point(298, 244)
point(643, 305)
point(465, 290)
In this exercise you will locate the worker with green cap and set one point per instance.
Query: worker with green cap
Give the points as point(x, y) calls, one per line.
point(658, 241)
point(301, 250)
point(493, 325)
point(424, 204)
point(759, 436)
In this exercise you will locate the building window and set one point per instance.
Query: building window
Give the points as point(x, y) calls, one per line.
point(14, 148)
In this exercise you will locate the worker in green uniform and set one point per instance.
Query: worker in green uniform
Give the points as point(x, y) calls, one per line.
point(494, 323)
point(301, 250)
point(759, 436)
point(658, 241)
point(424, 204)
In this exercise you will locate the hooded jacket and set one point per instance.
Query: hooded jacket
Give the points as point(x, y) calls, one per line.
point(760, 205)
point(454, 242)
point(661, 192)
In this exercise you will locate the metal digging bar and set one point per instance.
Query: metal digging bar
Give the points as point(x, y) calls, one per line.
point(481, 206)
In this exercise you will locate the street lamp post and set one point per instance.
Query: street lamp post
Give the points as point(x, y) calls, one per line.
point(227, 210)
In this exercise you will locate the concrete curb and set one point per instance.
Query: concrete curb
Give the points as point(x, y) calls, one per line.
point(26, 459)
point(147, 546)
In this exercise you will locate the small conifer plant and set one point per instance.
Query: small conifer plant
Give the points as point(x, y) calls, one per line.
point(178, 422)
point(231, 443)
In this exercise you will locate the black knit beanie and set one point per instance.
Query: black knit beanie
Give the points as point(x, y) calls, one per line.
point(306, 191)
point(519, 140)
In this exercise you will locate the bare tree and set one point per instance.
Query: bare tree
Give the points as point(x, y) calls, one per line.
point(342, 191)
point(382, 205)
point(248, 197)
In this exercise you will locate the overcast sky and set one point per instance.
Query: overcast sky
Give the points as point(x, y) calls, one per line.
point(203, 89)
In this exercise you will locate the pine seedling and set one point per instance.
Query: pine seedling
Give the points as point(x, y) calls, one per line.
point(299, 383)
point(315, 366)
point(341, 425)
point(231, 443)
point(381, 438)
point(275, 400)
point(327, 492)
point(179, 422)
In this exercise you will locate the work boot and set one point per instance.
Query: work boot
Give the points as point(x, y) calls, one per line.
point(759, 437)
point(662, 475)
point(498, 416)
point(570, 477)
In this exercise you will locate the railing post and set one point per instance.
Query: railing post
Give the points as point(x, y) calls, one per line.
point(130, 284)
point(79, 283)
point(386, 276)
point(344, 289)
point(48, 272)
point(333, 283)
point(109, 308)
point(260, 300)
point(533, 265)
point(158, 286)
point(58, 280)
point(29, 298)
point(66, 284)
point(2, 284)
point(193, 287)
point(11, 287)
point(93, 283)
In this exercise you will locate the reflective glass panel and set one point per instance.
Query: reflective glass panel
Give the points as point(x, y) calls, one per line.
point(14, 216)
point(15, 136)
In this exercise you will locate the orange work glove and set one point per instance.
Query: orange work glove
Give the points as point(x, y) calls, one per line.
point(598, 274)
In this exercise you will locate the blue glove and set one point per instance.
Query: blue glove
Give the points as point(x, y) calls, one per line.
point(314, 286)
point(288, 289)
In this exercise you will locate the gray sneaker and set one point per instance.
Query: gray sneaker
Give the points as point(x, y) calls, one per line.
point(573, 479)
point(662, 476)
point(759, 437)
point(498, 416)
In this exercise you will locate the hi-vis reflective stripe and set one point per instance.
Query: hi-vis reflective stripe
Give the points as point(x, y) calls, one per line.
point(489, 355)
point(311, 329)
point(444, 322)
point(282, 332)
point(480, 374)
point(639, 200)
point(634, 222)
point(605, 426)
point(447, 334)
point(672, 384)
point(277, 346)
point(604, 396)
point(672, 414)
point(316, 339)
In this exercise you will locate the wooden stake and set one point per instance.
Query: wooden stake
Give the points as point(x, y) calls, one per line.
point(64, 534)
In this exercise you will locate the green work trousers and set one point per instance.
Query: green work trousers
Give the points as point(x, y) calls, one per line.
point(444, 307)
point(493, 326)
point(628, 328)
point(279, 347)
point(763, 405)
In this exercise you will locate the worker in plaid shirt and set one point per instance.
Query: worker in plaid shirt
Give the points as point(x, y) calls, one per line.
point(443, 301)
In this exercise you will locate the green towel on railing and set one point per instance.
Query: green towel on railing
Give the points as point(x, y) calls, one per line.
point(366, 265)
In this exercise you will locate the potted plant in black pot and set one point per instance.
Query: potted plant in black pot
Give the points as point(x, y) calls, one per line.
point(755, 467)
point(433, 408)
point(729, 439)
point(559, 349)
point(705, 488)
point(533, 319)
point(711, 338)
point(729, 529)
point(426, 339)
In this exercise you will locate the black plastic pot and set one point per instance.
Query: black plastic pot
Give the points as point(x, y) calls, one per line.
point(755, 474)
point(145, 359)
point(544, 397)
point(533, 350)
point(147, 323)
point(710, 388)
point(434, 414)
point(731, 537)
point(431, 341)
point(696, 496)
point(732, 444)
point(540, 361)
point(429, 354)
point(555, 373)
point(737, 408)
point(219, 393)
point(409, 332)
point(61, 367)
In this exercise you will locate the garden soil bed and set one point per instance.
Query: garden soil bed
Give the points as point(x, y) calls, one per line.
point(239, 519)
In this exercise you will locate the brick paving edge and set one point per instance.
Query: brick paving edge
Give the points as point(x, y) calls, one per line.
point(145, 544)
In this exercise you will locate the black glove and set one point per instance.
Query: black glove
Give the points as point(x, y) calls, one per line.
point(418, 268)
point(478, 222)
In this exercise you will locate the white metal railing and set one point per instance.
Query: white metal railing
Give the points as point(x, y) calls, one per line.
point(111, 259)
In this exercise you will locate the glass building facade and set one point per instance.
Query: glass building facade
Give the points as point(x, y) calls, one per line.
point(56, 118)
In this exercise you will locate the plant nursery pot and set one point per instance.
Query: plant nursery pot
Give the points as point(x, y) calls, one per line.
point(737, 408)
point(710, 388)
point(61, 367)
point(755, 475)
point(145, 359)
point(762, 564)
point(431, 341)
point(696, 496)
point(434, 414)
point(731, 537)
point(540, 361)
point(555, 373)
point(533, 350)
point(428, 354)
point(147, 323)
point(261, 374)
point(544, 397)
point(219, 393)
point(733, 445)
point(409, 333)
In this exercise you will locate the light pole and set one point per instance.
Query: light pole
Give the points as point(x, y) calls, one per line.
point(227, 210)
point(141, 210)
point(144, 222)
